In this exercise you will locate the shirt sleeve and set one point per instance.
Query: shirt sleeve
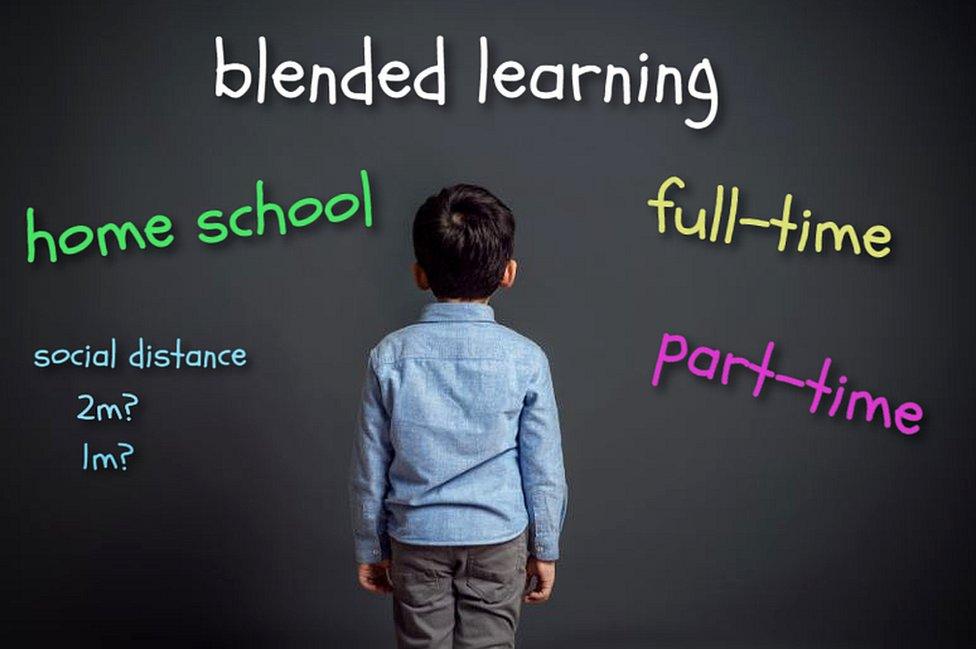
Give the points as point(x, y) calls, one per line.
point(541, 463)
point(368, 481)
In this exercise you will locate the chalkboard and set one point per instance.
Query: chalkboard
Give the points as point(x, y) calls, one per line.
point(208, 505)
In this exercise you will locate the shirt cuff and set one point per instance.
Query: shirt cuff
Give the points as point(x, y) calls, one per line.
point(372, 550)
point(545, 548)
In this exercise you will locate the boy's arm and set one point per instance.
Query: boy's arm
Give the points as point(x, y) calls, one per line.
point(541, 460)
point(368, 482)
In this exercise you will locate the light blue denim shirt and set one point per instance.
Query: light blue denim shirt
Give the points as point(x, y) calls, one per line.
point(458, 438)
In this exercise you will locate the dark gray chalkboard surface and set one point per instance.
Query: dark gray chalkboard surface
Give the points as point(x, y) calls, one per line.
point(699, 516)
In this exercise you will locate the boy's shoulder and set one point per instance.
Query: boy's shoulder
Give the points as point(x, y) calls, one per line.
point(416, 339)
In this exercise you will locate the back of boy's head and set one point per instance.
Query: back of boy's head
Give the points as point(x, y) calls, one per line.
point(463, 237)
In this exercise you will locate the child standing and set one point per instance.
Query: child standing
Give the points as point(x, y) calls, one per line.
point(457, 486)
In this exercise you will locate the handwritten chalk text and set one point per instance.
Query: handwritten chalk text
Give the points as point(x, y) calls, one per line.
point(707, 363)
point(812, 233)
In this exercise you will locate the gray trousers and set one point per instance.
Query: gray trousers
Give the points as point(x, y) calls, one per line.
point(460, 597)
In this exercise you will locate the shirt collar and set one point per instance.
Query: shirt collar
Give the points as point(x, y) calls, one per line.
point(457, 311)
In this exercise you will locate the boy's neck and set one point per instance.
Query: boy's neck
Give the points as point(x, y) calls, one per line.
point(455, 300)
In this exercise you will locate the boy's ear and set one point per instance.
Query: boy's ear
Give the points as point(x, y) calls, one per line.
point(420, 277)
point(508, 277)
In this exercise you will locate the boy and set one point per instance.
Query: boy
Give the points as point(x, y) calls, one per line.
point(457, 486)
